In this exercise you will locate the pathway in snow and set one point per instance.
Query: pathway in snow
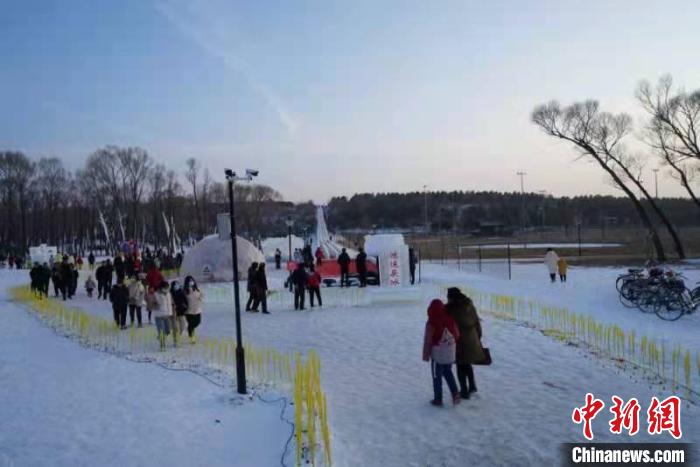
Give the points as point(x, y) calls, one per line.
point(378, 387)
point(64, 405)
point(589, 290)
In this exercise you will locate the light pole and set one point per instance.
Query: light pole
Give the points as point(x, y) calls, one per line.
point(522, 193)
point(425, 211)
point(240, 353)
point(290, 224)
point(656, 182)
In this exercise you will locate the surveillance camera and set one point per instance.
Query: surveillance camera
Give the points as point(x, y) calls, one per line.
point(230, 173)
point(251, 172)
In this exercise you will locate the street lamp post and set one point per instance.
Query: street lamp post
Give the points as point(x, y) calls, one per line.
point(290, 223)
point(240, 353)
point(425, 211)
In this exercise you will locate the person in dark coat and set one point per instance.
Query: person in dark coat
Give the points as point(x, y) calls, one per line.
point(260, 289)
point(56, 280)
point(66, 275)
point(34, 278)
point(91, 260)
point(278, 259)
point(344, 262)
point(299, 279)
point(469, 349)
point(108, 272)
point(73, 281)
point(361, 265)
point(44, 280)
point(412, 264)
point(119, 296)
point(250, 285)
point(179, 299)
point(120, 268)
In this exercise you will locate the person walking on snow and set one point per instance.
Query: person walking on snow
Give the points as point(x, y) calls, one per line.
point(119, 296)
point(89, 286)
point(299, 280)
point(361, 266)
point(250, 285)
point(344, 262)
point(278, 259)
point(550, 260)
point(194, 307)
point(163, 311)
point(562, 268)
point(314, 285)
point(91, 260)
point(137, 297)
point(440, 347)
point(319, 256)
point(260, 289)
point(179, 307)
point(469, 349)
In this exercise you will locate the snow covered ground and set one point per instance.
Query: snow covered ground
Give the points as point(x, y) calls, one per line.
point(588, 290)
point(378, 388)
point(64, 405)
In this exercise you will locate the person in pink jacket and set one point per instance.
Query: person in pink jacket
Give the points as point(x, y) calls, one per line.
point(439, 347)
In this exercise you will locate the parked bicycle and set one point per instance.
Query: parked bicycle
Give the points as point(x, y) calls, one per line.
point(658, 291)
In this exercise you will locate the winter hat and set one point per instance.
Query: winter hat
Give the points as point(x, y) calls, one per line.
point(454, 293)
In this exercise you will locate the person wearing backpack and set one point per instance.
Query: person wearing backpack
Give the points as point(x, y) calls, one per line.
point(440, 347)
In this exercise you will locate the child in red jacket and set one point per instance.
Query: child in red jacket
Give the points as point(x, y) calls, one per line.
point(440, 346)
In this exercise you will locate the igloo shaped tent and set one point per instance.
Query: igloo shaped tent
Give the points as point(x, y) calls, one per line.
point(210, 259)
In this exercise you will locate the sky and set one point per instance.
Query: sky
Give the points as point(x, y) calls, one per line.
point(331, 98)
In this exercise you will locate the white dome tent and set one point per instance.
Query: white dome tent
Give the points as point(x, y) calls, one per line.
point(210, 259)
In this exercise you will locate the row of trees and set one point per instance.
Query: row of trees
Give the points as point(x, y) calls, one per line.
point(669, 135)
point(466, 211)
point(43, 201)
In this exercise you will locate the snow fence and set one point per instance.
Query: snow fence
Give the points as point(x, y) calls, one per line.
point(669, 365)
point(290, 371)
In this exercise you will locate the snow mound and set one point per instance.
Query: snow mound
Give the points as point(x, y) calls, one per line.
point(270, 244)
point(210, 260)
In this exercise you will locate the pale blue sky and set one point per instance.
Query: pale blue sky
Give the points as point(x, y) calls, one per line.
point(332, 97)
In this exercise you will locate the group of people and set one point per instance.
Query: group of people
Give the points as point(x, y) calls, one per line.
point(555, 264)
point(360, 266)
point(12, 261)
point(257, 288)
point(174, 306)
point(305, 277)
point(453, 335)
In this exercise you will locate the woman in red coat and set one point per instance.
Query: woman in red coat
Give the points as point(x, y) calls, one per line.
point(440, 347)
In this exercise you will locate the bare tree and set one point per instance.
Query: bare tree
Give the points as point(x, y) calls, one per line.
point(135, 166)
point(598, 135)
point(192, 175)
point(52, 183)
point(674, 123)
point(16, 172)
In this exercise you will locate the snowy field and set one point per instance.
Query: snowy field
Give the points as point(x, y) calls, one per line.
point(378, 387)
point(64, 405)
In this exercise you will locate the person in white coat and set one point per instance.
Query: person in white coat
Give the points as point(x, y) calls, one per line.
point(551, 259)
point(137, 298)
point(163, 312)
point(194, 307)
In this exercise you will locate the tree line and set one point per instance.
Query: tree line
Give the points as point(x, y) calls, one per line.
point(41, 201)
point(466, 211)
